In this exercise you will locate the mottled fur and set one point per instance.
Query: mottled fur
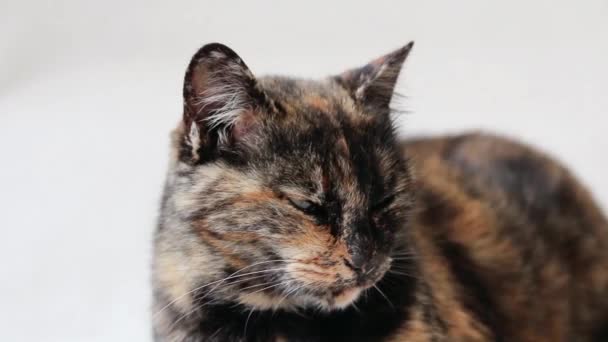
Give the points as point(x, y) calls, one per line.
point(292, 213)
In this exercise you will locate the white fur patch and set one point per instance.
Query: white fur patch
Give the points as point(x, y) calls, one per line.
point(228, 97)
point(194, 137)
point(173, 273)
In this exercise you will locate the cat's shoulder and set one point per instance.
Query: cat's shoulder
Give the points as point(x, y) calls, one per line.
point(492, 167)
point(505, 184)
point(497, 215)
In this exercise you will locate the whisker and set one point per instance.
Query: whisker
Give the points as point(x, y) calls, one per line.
point(403, 252)
point(239, 281)
point(242, 275)
point(233, 275)
point(215, 333)
point(170, 328)
point(391, 280)
point(409, 275)
point(290, 292)
point(370, 270)
point(394, 255)
point(271, 286)
point(246, 323)
point(256, 285)
point(401, 273)
point(401, 269)
point(383, 295)
point(180, 319)
point(400, 266)
point(405, 258)
point(196, 308)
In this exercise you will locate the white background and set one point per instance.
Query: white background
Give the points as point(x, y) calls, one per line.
point(90, 89)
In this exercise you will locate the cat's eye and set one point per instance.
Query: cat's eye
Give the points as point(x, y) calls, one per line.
point(382, 204)
point(302, 205)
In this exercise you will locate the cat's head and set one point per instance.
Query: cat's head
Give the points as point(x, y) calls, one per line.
point(282, 192)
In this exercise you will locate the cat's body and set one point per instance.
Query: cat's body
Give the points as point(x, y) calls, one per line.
point(292, 213)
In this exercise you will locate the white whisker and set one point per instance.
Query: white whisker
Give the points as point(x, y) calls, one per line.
point(271, 286)
point(401, 273)
point(290, 292)
point(257, 285)
point(233, 275)
point(246, 323)
point(383, 295)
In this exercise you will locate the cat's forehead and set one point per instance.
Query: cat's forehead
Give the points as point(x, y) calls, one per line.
point(298, 96)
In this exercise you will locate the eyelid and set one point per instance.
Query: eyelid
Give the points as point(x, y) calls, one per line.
point(301, 204)
point(306, 205)
point(383, 203)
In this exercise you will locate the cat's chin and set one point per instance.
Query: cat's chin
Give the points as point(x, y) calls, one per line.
point(344, 298)
point(339, 300)
point(335, 301)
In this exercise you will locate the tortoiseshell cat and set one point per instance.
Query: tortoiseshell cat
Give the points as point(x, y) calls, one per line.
point(292, 213)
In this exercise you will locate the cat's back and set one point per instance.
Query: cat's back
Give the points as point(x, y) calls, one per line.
point(511, 243)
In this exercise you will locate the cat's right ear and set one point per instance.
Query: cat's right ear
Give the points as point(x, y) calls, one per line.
point(372, 86)
point(222, 103)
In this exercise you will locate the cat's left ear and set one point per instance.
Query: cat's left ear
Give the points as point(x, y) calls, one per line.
point(223, 103)
point(373, 85)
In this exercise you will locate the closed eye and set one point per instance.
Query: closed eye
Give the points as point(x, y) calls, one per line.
point(302, 205)
point(382, 204)
point(310, 208)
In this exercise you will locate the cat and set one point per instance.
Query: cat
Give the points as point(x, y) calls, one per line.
point(291, 212)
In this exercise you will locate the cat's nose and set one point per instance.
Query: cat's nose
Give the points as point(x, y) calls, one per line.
point(366, 266)
point(355, 265)
point(358, 262)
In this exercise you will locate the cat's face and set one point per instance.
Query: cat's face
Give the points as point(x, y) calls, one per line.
point(283, 193)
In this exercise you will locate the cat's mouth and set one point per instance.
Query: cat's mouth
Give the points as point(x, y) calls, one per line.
point(343, 293)
point(310, 286)
point(344, 298)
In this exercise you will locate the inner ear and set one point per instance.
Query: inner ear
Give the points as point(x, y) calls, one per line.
point(222, 100)
point(373, 84)
point(218, 88)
